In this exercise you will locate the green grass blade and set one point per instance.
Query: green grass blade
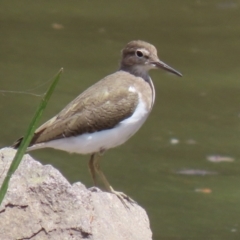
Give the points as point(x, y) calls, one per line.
point(28, 136)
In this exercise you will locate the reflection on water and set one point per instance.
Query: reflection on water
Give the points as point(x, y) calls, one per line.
point(194, 118)
point(195, 172)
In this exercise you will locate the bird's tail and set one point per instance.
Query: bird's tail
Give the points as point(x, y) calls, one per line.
point(17, 143)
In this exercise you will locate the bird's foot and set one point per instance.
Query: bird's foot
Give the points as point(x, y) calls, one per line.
point(123, 198)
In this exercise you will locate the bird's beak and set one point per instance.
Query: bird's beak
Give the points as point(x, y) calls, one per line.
point(160, 64)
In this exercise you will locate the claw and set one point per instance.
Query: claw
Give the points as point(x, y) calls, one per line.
point(124, 198)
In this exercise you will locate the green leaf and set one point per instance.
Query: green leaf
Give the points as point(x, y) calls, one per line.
point(28, 136)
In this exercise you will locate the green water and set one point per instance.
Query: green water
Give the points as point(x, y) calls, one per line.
point(200, 112)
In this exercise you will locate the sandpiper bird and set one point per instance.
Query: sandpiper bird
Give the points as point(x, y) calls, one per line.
point(108, 113)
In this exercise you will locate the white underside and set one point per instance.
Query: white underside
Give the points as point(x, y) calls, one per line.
point(102, 140)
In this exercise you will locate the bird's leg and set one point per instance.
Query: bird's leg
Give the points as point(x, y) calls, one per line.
point(92, 169)
point(120, 195)
point(95, 168)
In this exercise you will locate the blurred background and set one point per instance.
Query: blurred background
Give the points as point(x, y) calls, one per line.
point(183, 166)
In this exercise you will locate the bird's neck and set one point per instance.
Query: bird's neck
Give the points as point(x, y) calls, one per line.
point(138, 71)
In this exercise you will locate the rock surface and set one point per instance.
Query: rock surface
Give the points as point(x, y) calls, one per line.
point(42, 204)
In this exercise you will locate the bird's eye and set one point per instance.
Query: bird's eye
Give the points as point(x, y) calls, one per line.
point(139, 53)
